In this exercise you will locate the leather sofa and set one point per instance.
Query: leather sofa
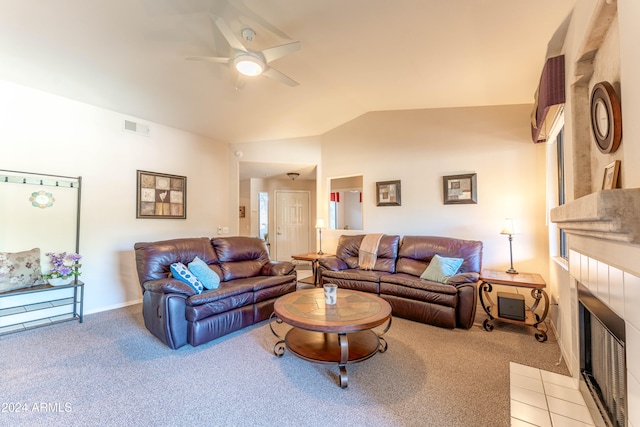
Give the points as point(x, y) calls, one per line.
point(249, 285)
point(395, 277)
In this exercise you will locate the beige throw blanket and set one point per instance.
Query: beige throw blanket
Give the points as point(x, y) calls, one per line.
point(368, 253)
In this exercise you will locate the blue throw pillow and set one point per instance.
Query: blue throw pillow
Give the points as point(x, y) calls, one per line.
point(440, 269)
point(204, 274)
point(182, 273)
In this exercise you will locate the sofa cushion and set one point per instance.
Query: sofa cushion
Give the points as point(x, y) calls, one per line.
point(240, 256)
point(416, 251)
point(441, 269)
point(204, 274)
point(356, 279)
point(182, 273)
point(20, 269)
point(240, 248)
point(154, 258)
point(354, 274)
point(431, 292)
point(409, 281)
point(348, 250)
point(221, 305)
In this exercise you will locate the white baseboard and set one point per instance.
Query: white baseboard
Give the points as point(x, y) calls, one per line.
point(114, 306)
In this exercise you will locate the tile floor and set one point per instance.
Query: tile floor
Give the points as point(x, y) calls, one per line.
point(545, 399)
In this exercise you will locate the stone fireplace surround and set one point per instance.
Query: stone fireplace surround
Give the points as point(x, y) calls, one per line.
point(604, 255)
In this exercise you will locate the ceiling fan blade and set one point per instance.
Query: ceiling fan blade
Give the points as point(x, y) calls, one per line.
point(273, 53)
point(272, 73)
point(217, 59)
point(228, 34)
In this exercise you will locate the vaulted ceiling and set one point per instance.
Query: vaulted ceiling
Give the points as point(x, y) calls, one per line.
point(356, 56)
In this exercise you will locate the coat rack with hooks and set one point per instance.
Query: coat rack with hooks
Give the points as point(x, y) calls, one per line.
point(22, 227)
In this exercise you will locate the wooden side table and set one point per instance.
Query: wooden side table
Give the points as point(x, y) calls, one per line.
point(532, 281)
point(313, 257)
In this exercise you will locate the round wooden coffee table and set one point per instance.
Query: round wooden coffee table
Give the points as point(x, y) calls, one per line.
point(341, 333)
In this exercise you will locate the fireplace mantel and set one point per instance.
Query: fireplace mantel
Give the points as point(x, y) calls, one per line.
point(607, 214)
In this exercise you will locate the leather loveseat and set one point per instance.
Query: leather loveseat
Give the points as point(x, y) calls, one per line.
point(395, 276)
point(249, 285)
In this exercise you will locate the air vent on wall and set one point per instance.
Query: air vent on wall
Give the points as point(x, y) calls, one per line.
point(136, 127)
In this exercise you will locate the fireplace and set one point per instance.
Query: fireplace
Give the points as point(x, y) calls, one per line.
point(604, 246)
point(602, 359)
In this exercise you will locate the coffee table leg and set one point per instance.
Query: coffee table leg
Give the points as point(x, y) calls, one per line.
point(344, 358)
point(280, 346)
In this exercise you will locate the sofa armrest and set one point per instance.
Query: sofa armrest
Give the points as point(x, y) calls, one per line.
point(277, 268)
point(332, 263)
point(462, 278)
point(168, 286)
point(467, 304)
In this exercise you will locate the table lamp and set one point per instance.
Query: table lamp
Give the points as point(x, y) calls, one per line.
point(320, 226)
point(509, 229)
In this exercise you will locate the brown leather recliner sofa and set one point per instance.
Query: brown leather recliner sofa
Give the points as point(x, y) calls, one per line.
point(395, 277)
point(249, 285)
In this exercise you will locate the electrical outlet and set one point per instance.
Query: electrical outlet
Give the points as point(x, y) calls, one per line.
point(219, 230)
point(225, 230)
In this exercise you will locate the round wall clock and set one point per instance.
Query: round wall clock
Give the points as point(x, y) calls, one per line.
point(606, 118)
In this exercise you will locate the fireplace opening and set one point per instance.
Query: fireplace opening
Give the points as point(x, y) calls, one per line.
point(602, 359)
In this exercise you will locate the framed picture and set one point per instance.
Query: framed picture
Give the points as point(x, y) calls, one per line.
point(460, 189)
point(610, 179)
point(388, 193)
point(242, 212)
point(161, 195)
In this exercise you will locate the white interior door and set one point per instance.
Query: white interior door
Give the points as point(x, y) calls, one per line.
point(292, 224)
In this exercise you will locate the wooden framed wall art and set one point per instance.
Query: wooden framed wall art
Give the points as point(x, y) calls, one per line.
point(161, 195)
point(460, 189)
point(388, 193)
point(611, 172)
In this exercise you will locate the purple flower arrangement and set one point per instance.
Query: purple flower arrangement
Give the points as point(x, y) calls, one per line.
point(63, 265)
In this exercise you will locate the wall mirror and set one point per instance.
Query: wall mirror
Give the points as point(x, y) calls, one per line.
point(345, 203)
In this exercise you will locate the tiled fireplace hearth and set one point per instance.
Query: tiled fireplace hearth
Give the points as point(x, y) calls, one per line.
point(604, 257)
point(619, 291)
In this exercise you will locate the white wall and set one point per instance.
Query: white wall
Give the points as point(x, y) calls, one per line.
point(628, 15)
point(44, 133)
point(419, 147)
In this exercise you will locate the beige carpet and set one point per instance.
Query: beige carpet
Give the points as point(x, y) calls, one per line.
point(109, 371)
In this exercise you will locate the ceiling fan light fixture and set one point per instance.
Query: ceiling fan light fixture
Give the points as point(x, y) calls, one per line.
point(249, 65)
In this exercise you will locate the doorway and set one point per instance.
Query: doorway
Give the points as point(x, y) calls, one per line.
point(292, 224)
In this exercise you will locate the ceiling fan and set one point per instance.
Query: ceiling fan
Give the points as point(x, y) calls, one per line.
point(250, 62)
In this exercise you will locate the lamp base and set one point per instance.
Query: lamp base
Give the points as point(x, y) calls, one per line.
point(320, 253)
point(511, 271)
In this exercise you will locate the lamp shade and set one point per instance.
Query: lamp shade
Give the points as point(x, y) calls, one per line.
point(320, 223)
point(509, 227)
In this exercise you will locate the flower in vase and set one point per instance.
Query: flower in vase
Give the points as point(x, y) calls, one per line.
point(63, 265)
